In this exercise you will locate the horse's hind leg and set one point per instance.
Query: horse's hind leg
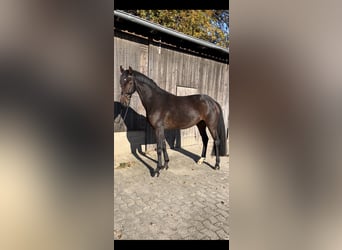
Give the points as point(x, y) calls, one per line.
point(201, 127)
point(214, 134)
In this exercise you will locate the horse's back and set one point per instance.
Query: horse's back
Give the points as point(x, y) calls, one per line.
point(194, 98)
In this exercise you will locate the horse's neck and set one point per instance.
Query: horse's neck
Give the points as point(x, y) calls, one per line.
point(148, 94)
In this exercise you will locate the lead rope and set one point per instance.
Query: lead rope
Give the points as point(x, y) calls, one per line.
point(129, 101)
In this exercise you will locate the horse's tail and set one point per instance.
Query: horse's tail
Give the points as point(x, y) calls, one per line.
point(221, 132)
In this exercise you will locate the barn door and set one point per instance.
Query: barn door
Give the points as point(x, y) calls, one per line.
point(188, 136)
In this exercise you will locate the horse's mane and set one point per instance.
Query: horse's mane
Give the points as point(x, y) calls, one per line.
point(144, 79)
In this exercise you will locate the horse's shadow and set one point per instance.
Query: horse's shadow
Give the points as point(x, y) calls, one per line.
point(133, 122)
point(192, 156)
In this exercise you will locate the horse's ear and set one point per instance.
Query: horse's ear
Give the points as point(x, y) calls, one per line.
point(130, 70)
point(121, 69)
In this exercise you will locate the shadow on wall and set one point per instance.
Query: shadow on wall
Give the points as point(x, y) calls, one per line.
point(132, 123)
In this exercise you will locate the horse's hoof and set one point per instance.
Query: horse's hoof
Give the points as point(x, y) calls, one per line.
point(156, 171)
point(200, 161)
point(166, 167)
point(217, 167)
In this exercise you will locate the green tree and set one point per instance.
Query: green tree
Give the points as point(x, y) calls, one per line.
point(209, 25)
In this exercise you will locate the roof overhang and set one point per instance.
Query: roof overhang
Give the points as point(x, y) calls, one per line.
point(131, 23)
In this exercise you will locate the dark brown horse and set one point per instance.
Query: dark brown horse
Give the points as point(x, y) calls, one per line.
point(167, 111)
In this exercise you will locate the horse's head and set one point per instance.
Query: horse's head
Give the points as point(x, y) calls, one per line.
point(127, 85)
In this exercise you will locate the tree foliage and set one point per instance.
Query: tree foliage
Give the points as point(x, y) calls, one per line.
point(209, 25)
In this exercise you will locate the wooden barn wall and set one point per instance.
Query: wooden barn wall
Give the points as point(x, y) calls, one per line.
point(177, 72)
point(133, 51)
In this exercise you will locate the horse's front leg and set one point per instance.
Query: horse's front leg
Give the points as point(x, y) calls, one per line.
point(160, 137)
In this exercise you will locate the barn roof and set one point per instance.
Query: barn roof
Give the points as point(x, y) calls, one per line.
point(131, 23)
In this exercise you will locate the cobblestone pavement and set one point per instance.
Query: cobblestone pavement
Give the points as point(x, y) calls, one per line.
point(187, 201)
